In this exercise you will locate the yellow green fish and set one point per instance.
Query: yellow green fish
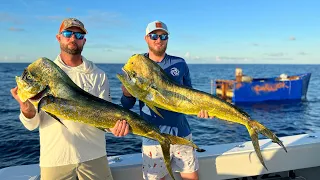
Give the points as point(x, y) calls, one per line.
point(50, 89)
point(148, 82)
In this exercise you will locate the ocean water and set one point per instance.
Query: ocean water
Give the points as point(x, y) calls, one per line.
point(19, 146)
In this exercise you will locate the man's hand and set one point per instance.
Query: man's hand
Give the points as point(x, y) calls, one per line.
point(204, 114)
point(27, 108)
point(125, 91)
point(120, 129)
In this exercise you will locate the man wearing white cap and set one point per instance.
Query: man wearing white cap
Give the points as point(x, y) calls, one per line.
point(183, 158)
point(78, 151)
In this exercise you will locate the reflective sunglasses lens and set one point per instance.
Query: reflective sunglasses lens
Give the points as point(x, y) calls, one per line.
point(67, 34)
point(153, 36)
point(79, 35)
point(163, 37)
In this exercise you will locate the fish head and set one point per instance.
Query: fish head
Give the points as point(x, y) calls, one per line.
point(138, 70)
point(130, 85)
point(28, 87)
point(34, 83)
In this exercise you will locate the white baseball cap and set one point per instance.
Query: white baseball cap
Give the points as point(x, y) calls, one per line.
point(155, 25)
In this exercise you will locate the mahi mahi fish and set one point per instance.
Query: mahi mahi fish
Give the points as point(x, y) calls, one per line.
point(50, 89)
point(148, 82)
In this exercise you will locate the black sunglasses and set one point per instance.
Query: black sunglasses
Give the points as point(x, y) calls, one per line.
point(163, 37)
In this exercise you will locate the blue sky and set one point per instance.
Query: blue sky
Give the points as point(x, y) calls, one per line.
point(225, 31)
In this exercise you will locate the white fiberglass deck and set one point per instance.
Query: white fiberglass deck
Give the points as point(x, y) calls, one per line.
point(224, 161)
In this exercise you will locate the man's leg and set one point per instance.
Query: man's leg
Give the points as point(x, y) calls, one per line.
point(190, 176)
point(153, 166)
point(67, 172)
point(184, 160)
point(97, 169)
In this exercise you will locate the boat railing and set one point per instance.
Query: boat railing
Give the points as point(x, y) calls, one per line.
point(224, 88)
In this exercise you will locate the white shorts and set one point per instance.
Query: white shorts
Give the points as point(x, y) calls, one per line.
point(183, 159)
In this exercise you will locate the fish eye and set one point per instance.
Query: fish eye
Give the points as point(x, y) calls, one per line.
point(29, 77)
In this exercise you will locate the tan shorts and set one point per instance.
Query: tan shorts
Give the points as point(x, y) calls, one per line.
point(97, 169)
point(183, 160)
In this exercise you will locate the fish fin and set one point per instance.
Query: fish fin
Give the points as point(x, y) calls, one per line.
point(171, 94)
point(48, 100)
point(154, 109)
point(157, 92)
point(181, 141)
point(161, 92)
point(45, 101)
point(56, 118)
point(102, 129)
point(255, 143)
point(266, 132)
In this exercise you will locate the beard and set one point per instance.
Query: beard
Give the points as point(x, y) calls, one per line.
point(74, 51)
point(159, 52)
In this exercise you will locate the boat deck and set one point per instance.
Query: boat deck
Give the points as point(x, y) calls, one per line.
point(225, 161)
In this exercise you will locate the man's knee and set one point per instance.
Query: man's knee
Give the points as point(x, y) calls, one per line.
point(190, 176)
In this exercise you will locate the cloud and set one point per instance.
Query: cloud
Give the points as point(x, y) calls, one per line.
point(275, 54)
point(112, 47)
point(302, 53)
point(16, 29)
point(219, 59)
point(9, 18)
point(251, 59)
point(96, 18)
point(230, 58)
point(16, 58)
point(275, 58)
point(108, 50)
point(104, 19)
point(51, 18)
point(239, 59)
point(292, 38)
point(255, 44)
point(68, 9)
point(187, 55)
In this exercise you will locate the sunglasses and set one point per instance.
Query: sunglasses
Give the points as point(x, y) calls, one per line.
point(68, 34)
point(163, 37)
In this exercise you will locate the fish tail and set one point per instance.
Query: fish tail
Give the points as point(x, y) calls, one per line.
point(254, 127)
point(266, 132)
point(165, 146)
point(255, 143)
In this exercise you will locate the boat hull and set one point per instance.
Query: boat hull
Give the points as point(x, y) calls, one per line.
point(264, 89)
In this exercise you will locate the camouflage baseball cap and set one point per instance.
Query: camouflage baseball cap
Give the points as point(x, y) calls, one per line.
point(72, 22)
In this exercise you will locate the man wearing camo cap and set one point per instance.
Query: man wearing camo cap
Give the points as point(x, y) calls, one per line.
point(78, 151)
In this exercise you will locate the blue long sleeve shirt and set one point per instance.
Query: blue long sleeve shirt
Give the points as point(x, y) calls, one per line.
point(172, 123)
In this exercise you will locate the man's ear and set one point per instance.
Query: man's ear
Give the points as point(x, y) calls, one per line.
point(145, 38)
point(84, 41)
point(58, 38)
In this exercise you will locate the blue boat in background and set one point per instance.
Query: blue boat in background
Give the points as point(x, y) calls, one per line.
point(245, 89)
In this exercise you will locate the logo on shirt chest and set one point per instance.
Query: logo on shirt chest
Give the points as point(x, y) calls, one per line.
point(174, 71)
